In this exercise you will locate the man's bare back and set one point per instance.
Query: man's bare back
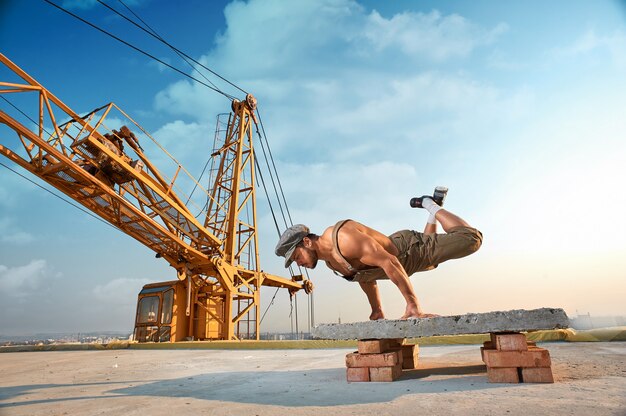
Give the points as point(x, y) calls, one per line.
point(350, 240)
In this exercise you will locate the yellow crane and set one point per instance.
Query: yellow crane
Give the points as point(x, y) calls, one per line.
point(217, 293)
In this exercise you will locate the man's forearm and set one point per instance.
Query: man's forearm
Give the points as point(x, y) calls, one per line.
point(371, 291)
point(398, 276)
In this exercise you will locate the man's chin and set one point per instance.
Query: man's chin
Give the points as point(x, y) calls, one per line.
point(313, 265)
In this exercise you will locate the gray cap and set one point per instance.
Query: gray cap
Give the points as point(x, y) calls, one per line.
point(289, 240)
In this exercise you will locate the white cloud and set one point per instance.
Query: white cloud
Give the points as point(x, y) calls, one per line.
point(185, 98)
point(159, 66)
point(19, 237)
point(326, 191)
point(589, 42)
point(310, 37)
point(21, 280)
point(183, 139)
point(120, 291)
point(334, 48)
point(429, 35)
point(11, 234)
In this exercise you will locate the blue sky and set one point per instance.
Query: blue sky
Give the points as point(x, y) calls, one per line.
point(517, 108)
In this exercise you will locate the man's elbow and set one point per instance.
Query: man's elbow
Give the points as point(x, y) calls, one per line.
point(391, 265)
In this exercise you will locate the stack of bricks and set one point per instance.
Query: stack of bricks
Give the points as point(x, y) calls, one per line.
point(511, 359)
point(380, 360)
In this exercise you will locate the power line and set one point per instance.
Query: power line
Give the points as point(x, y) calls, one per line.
point(260, 174)
point(293, 299)
point(139, 50)
point(274, 165)
point(61, 198)
point(268, 306)
point(31, 119)
point(154, 34)
point(280, 206)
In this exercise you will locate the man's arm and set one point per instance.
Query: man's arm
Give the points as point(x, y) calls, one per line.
point(368, 251)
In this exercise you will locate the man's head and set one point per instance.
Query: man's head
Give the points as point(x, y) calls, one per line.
point(295, 244)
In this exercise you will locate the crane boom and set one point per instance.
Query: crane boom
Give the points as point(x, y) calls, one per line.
point(107, 171)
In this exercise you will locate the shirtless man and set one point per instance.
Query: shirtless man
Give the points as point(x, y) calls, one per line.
point(361, 254)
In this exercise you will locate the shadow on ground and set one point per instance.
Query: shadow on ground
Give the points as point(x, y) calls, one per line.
point(327, 387)
point(13, 392)
point(311, 388)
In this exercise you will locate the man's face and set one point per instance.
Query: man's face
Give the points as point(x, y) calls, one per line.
point(305, 257)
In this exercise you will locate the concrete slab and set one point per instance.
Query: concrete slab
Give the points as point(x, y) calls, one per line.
point(590, 380)
point(472, 323)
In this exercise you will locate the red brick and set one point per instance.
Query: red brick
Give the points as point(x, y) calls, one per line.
point(410, 355)
point(509, 342)
point(358, 374)
point(398, 350)
point(385, 374)
point(534, 357)
point(489, 346)
point(385, 359)
point(482, 350)
point(503, 375)
point(377, 346)
point(537, 375)
point(396, 342)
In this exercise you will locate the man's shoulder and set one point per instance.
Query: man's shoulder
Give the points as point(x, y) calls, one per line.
point(343, 225)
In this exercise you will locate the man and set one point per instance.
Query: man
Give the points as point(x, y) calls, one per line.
point(361, 254)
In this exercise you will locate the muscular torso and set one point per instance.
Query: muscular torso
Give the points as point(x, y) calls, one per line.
point(350, 235)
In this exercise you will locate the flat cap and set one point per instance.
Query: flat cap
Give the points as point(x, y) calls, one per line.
point(289, 240)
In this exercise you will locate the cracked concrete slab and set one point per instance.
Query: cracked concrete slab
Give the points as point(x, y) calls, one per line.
point(517, 320)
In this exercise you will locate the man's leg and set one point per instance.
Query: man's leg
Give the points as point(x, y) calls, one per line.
point(439, 195)
point(459, 241)
point(449, 220)
point(371, 291)
point(431, 225)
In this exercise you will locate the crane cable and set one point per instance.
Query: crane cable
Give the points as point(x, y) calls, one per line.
point(60, 197)
point(153, 33)
point(230, 97)
point(180, 53)
point(310, 306)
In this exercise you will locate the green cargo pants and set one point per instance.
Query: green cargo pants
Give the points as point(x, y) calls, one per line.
point(419, 252)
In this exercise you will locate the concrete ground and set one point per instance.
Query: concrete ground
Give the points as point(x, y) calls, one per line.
point(451, 380)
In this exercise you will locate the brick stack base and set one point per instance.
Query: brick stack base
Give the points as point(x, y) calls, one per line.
point(380, 360)
point(511, 359)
